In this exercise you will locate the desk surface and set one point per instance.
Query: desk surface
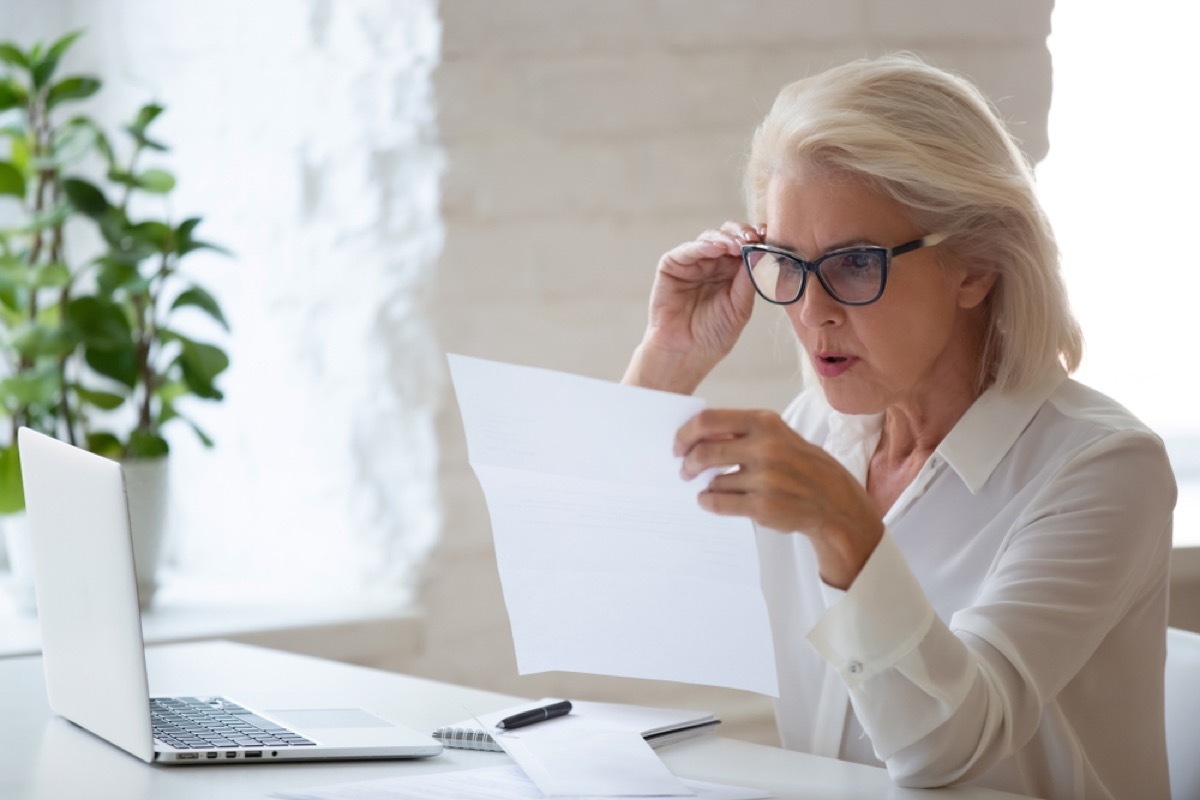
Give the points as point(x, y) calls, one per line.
point(43, 757)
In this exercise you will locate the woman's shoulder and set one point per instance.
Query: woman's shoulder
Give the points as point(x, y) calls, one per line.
point(1092, 430)
point(1104, 416)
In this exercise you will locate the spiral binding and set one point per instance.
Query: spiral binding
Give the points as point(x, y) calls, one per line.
point(466, 739)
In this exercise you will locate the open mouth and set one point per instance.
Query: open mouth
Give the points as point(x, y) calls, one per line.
point(830, 365)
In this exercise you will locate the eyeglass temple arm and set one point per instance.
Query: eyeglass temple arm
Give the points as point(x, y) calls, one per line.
point(924, 241)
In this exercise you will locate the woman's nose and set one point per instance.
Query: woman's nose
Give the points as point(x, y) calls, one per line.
point(816, 308)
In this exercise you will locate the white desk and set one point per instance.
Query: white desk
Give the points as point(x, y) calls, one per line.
point(43, 757)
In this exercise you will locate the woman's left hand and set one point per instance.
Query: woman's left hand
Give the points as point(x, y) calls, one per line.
point(782, 482)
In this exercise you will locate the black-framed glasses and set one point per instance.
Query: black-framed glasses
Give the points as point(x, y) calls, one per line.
point(855, 276)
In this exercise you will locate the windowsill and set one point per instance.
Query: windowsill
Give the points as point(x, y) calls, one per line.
point(369, 632)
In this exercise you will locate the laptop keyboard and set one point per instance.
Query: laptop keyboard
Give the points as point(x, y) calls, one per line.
point(204, 723)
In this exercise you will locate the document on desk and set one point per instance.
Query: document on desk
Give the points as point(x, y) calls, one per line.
point(589, 762)
point(607, 563)
point(506, 782)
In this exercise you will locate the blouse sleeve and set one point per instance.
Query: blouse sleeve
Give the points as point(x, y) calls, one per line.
point(942, 702)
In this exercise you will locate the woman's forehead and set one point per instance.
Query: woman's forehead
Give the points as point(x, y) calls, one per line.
point(821, 210)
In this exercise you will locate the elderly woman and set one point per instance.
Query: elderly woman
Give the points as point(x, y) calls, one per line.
point(964, 551)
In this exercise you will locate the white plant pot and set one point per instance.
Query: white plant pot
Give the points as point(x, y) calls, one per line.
point(146, 490)
point(20, 560)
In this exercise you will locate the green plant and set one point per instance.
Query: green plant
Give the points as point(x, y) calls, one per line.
point(93, 354)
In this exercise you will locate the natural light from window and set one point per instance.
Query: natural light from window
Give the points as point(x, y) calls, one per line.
point(1122, 186)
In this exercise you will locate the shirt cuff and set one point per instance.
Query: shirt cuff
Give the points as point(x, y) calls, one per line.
point(882, 617)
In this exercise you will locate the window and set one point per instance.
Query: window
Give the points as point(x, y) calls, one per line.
point(304, 135)
point(1120, 184)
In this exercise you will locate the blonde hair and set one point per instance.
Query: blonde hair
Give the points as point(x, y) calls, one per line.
point(930, 140)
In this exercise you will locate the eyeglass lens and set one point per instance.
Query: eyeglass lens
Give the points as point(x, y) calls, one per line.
point(855, 276)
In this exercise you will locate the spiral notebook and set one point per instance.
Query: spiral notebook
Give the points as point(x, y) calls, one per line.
point(658, 726)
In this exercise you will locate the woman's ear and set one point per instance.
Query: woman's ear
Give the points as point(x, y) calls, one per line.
point(977, 283)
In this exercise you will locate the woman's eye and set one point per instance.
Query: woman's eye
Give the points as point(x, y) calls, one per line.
point(858, 261)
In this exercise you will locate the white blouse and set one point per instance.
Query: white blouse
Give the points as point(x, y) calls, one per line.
point(1009, 629)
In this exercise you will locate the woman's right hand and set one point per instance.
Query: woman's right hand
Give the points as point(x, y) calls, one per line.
point(699, 305)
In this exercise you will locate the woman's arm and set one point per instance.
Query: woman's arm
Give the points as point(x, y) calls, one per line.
point(944, 702)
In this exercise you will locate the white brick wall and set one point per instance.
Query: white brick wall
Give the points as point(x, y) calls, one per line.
point(583, 139)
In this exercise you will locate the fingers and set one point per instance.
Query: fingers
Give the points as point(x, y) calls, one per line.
point(710, 244)
point(717, 423)
point(714, 246)
point(744, 232)
point(725, 438)
point(733, 235)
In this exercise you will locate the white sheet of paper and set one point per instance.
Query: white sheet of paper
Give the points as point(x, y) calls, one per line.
point(590, 763)
point(505, 782)
point(607, 563)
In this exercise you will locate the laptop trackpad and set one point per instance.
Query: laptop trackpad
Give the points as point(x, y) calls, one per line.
point(311, 718)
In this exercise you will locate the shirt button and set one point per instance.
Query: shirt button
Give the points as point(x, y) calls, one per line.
point(854, 667)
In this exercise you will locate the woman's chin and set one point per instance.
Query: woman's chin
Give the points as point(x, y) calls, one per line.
point(844, 400)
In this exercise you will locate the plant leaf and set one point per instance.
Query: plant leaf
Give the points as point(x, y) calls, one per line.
point(153, 236)
point(86, 197)
point(100, 140)
point(115, 275)
point(33, 388)
point(106, 401)
point(199, 298)
point(156, 181)
point(118, 364)
point(11, 54)
point(58, 48)
point(9, 299)
point(11, 180)
point(51, 218)
point(12, 488)
point(199, 365)
point(199, 245)
point(205, 439)
point(146, 114)
point(102, 322)
point(146, 445)
point(21, 151)
point(105, 444)
point(52, 275)
point(123, 177)
point(34, 339)
point(72, 142)
point(170, 391)
point(11, 95)
point(42, 69)
point(186, 244)
point(77, 87)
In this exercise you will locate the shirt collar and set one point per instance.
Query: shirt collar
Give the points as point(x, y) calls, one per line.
point(982, 438)
point(974, 446)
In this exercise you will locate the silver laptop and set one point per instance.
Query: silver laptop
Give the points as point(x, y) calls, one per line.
point(92, 644)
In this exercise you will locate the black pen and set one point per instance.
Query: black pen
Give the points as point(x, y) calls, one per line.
point(533, 715)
